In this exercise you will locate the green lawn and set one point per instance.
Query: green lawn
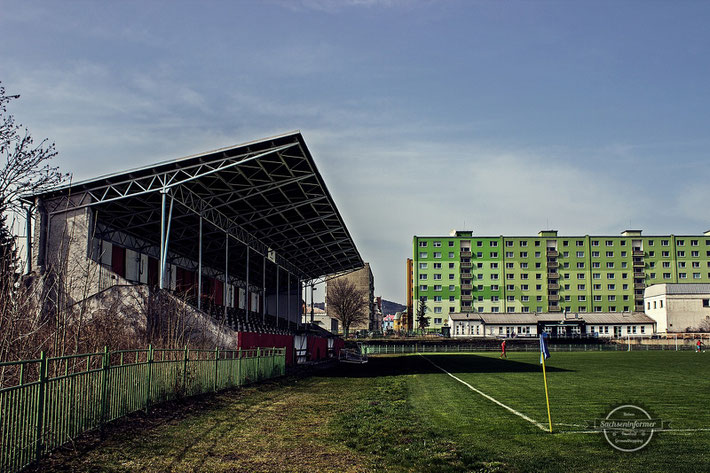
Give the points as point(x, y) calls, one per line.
point(401, 413)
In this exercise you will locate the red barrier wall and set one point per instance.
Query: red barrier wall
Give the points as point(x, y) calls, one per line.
point(317, 347)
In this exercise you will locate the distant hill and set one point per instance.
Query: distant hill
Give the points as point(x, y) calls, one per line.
point(388, 307)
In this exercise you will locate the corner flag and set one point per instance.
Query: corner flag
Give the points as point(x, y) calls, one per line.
point(545, 354)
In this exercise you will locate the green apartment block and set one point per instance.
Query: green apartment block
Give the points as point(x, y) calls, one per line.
point(549, 273)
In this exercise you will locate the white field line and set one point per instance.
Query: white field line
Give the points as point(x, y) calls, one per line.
point(492, 399)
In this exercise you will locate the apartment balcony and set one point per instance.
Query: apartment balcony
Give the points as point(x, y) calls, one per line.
point(639, 275)
point(639, 264)
point(554, 308)
point(467, 308)
point(553, 297)
point(553, 264)
point(465, 254)
point(553, 287)
point(466, 297)
point(637, 253)
point(552, 253)
point(638, 308)
point(467, 287)
point(554, 275)
point(466, 275)
point(466, 265)
point(639, 285)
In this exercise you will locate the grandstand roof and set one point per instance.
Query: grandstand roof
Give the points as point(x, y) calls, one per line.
point(268, 194)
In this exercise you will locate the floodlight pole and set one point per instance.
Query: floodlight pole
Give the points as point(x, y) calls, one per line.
point(199, 269)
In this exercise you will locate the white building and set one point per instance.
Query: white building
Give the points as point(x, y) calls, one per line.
point(526, 325)
point(678, 307)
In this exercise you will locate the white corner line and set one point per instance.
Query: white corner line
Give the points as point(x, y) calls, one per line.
point(508, 408)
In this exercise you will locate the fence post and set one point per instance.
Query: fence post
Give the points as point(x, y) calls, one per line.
point(239, 367)
point(184, 370)
point(105, 363)
point(149, 362)
point(216, 367)
point(258, 356)
point(41, 402)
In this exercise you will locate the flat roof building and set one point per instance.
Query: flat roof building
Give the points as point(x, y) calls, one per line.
point(463, 272)
point(679, 307)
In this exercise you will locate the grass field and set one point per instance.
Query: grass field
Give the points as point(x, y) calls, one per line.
point(403, 413)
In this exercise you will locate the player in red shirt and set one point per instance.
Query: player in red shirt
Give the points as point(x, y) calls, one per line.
point(502, 351)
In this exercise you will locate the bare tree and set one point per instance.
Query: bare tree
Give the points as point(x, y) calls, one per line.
point(347, 303)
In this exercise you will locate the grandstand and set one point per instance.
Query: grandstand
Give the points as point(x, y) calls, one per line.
point(236, 233)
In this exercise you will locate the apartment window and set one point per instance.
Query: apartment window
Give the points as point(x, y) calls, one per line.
point(623, 265)
point(422, 265)
point(538, 266)
point(596, 264)
point(612, 308)
point(609, 264)
point(597, 287)
point(538, 299)
point(509, 243)
point(451, 277)
point(652, 275)
point(509, 265)
point(437, 265)
point(565, 265)
point(494, 254)
point(666, 254)
point(422, 276)
point(437, 276)
point(623, 254)
point(682, 275)
point(566, 286)
point(494, 287)
point(610, 243)
point(523, 287)
point(437, 254)
point(437, 298)
point(666, 264)
point(680, 242)
point(610, 275)
point(595, 254)
point(537, 254)
point(422, 244)
point(581, 298)
point(650, 242)
point(511, 309)
point(451, 254)
point(480, 298)
point(495, 309)
point(666, 275)
point(580, 275)
point(580, 254)
point(423, 287)
point(693, 242)
point(479, 243)
point(523, 254)
point(596, 276)
point(565, 254)
point(681, 254)
point(526, 309)
point(480, 309)
point(609, 254)
point(437, 287)
point(452, 298)
point(524, 276)
point(695, 264)
point(538, 287)
point(580, 287)
point(694, 254)
point(508, 254)
point(524, 298)
point(479, 265)
point(568, 298)
point(565, 243)
point(479, 255)
point(510, 276)
point(494, 277)
point(664, 242)
point(452, 309)
point(582, 308)
point(437, 244)
point(611, 287)
point(523, 243)
point(423, 255)
point(452, 288)
point(423, 298)
point(451, 265)
point(537, 243)
point(494, 243)
point(510, 298)
point(612, 298)
point(523, 266)
point(696, 275)
point(597, 298)
point(597, 308)
point(580, 265)
point(494, 298)
point(706, 303)
point(595, 242)
point(510, 287)
point(681, 264)
point(651, 254)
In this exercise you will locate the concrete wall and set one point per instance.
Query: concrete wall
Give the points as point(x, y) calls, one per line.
point(364, 281)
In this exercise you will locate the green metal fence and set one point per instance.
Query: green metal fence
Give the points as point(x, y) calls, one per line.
point(384, 349)
point(45, 403)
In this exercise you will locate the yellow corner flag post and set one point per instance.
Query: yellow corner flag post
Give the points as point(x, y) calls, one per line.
point(545, 353)
point(547, 396)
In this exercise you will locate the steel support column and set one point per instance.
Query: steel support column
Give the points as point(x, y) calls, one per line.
point(199, 270)
point(29, 239)
point(288, 301)
point(312, 289)
point(248, 295)
point(164, 237)
point(278, 295)
point(263, 291)
point(226, 273)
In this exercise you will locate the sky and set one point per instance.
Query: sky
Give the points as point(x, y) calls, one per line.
point(501, 117)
